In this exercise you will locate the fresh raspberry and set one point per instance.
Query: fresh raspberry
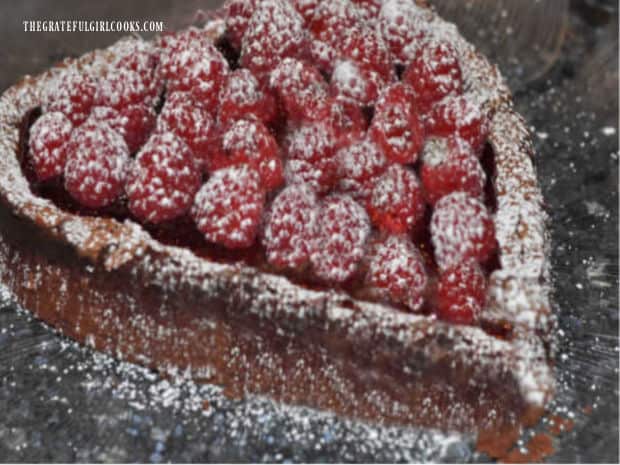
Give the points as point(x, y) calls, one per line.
point(359, 166)
point(396, 268)
point(322, 55)
point(356, 83)
point(306, 8)
point(301, 89)
point(434, 73)
point(395, 126)
point(461, 228)
point(449, 165)
point(162, 180)
point(332, 21)
point(290, 227)
point(121, 88)
point(193, 124)
point(250, 142)
point(275, 31)
point(346, 119)
point(171, 44)
point(72, 94)
point(228, 207)
point(396, 203)
point(459, 116)
point(201, 70)
point(368, 10)
point(238, 14)
point(137, 55)
point(48, 144)
point(96, 165)
point(242, 98)
point(366, 47)
point(311, 160)
point(341, 234)
point(401, 24)
point(461, 293)
point(133, 122)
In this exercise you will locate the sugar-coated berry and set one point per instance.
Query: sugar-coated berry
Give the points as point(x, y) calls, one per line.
point(243, 98)
point(275, 31)
point(72, 93)
point(133, 122)
point(193, 124)
point(201, 70)
point(332, 21)
point(341, 235)
point(301, 90)
point(48, 144)
point(460, 116)
point(402, 25)
point(123, 87)
point(434, 73)
point(449, 165)
point(395, 126)
point(396, 268)
point(360, 165)
point(461, 228)
point(238, 14)
point(356, 83)
point(290, 227)
point(228, 207)
point(95, 171)
point(311, 160)
point(461, 293)
point(396, 203)
point(250, 142)
point(162, 180)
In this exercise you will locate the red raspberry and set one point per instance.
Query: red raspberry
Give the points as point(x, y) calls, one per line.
point(346, 119)
point(171, 44)
point(133, 122)
point(449, 165)
point(242, 98)
point(306, 8)
point(368, 10)
point(311, 157)
point(461, 293)
point(122, 87)
point(341, 234)
point(395, 126)
point(162, 180)
point(238, 14)
point(396, 268)
point(459, 116)
point(229, 206)
point(191, 123)
point(290, 229)
point(322, 55)
point(48, 144)
point(72, 94)
point(137, 55)
point(433, 74)
point(396, 203)
point(96, 163)
point(356, 83)
point(401, 24)
point(301, 89)
point(359, 166)
point(461, 228)
point(365, 47)
point(250, 142)
point(275, 31)
point(332, 21)
point(201, 70)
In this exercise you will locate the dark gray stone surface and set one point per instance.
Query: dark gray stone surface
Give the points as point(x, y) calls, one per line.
point(63, 403)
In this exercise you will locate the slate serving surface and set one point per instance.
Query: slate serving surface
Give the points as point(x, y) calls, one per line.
point(61, 402)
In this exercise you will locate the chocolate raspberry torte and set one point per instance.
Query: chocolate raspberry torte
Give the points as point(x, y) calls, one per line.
point(330, 203)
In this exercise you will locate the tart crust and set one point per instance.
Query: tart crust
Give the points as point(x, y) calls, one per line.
point(110, 285)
